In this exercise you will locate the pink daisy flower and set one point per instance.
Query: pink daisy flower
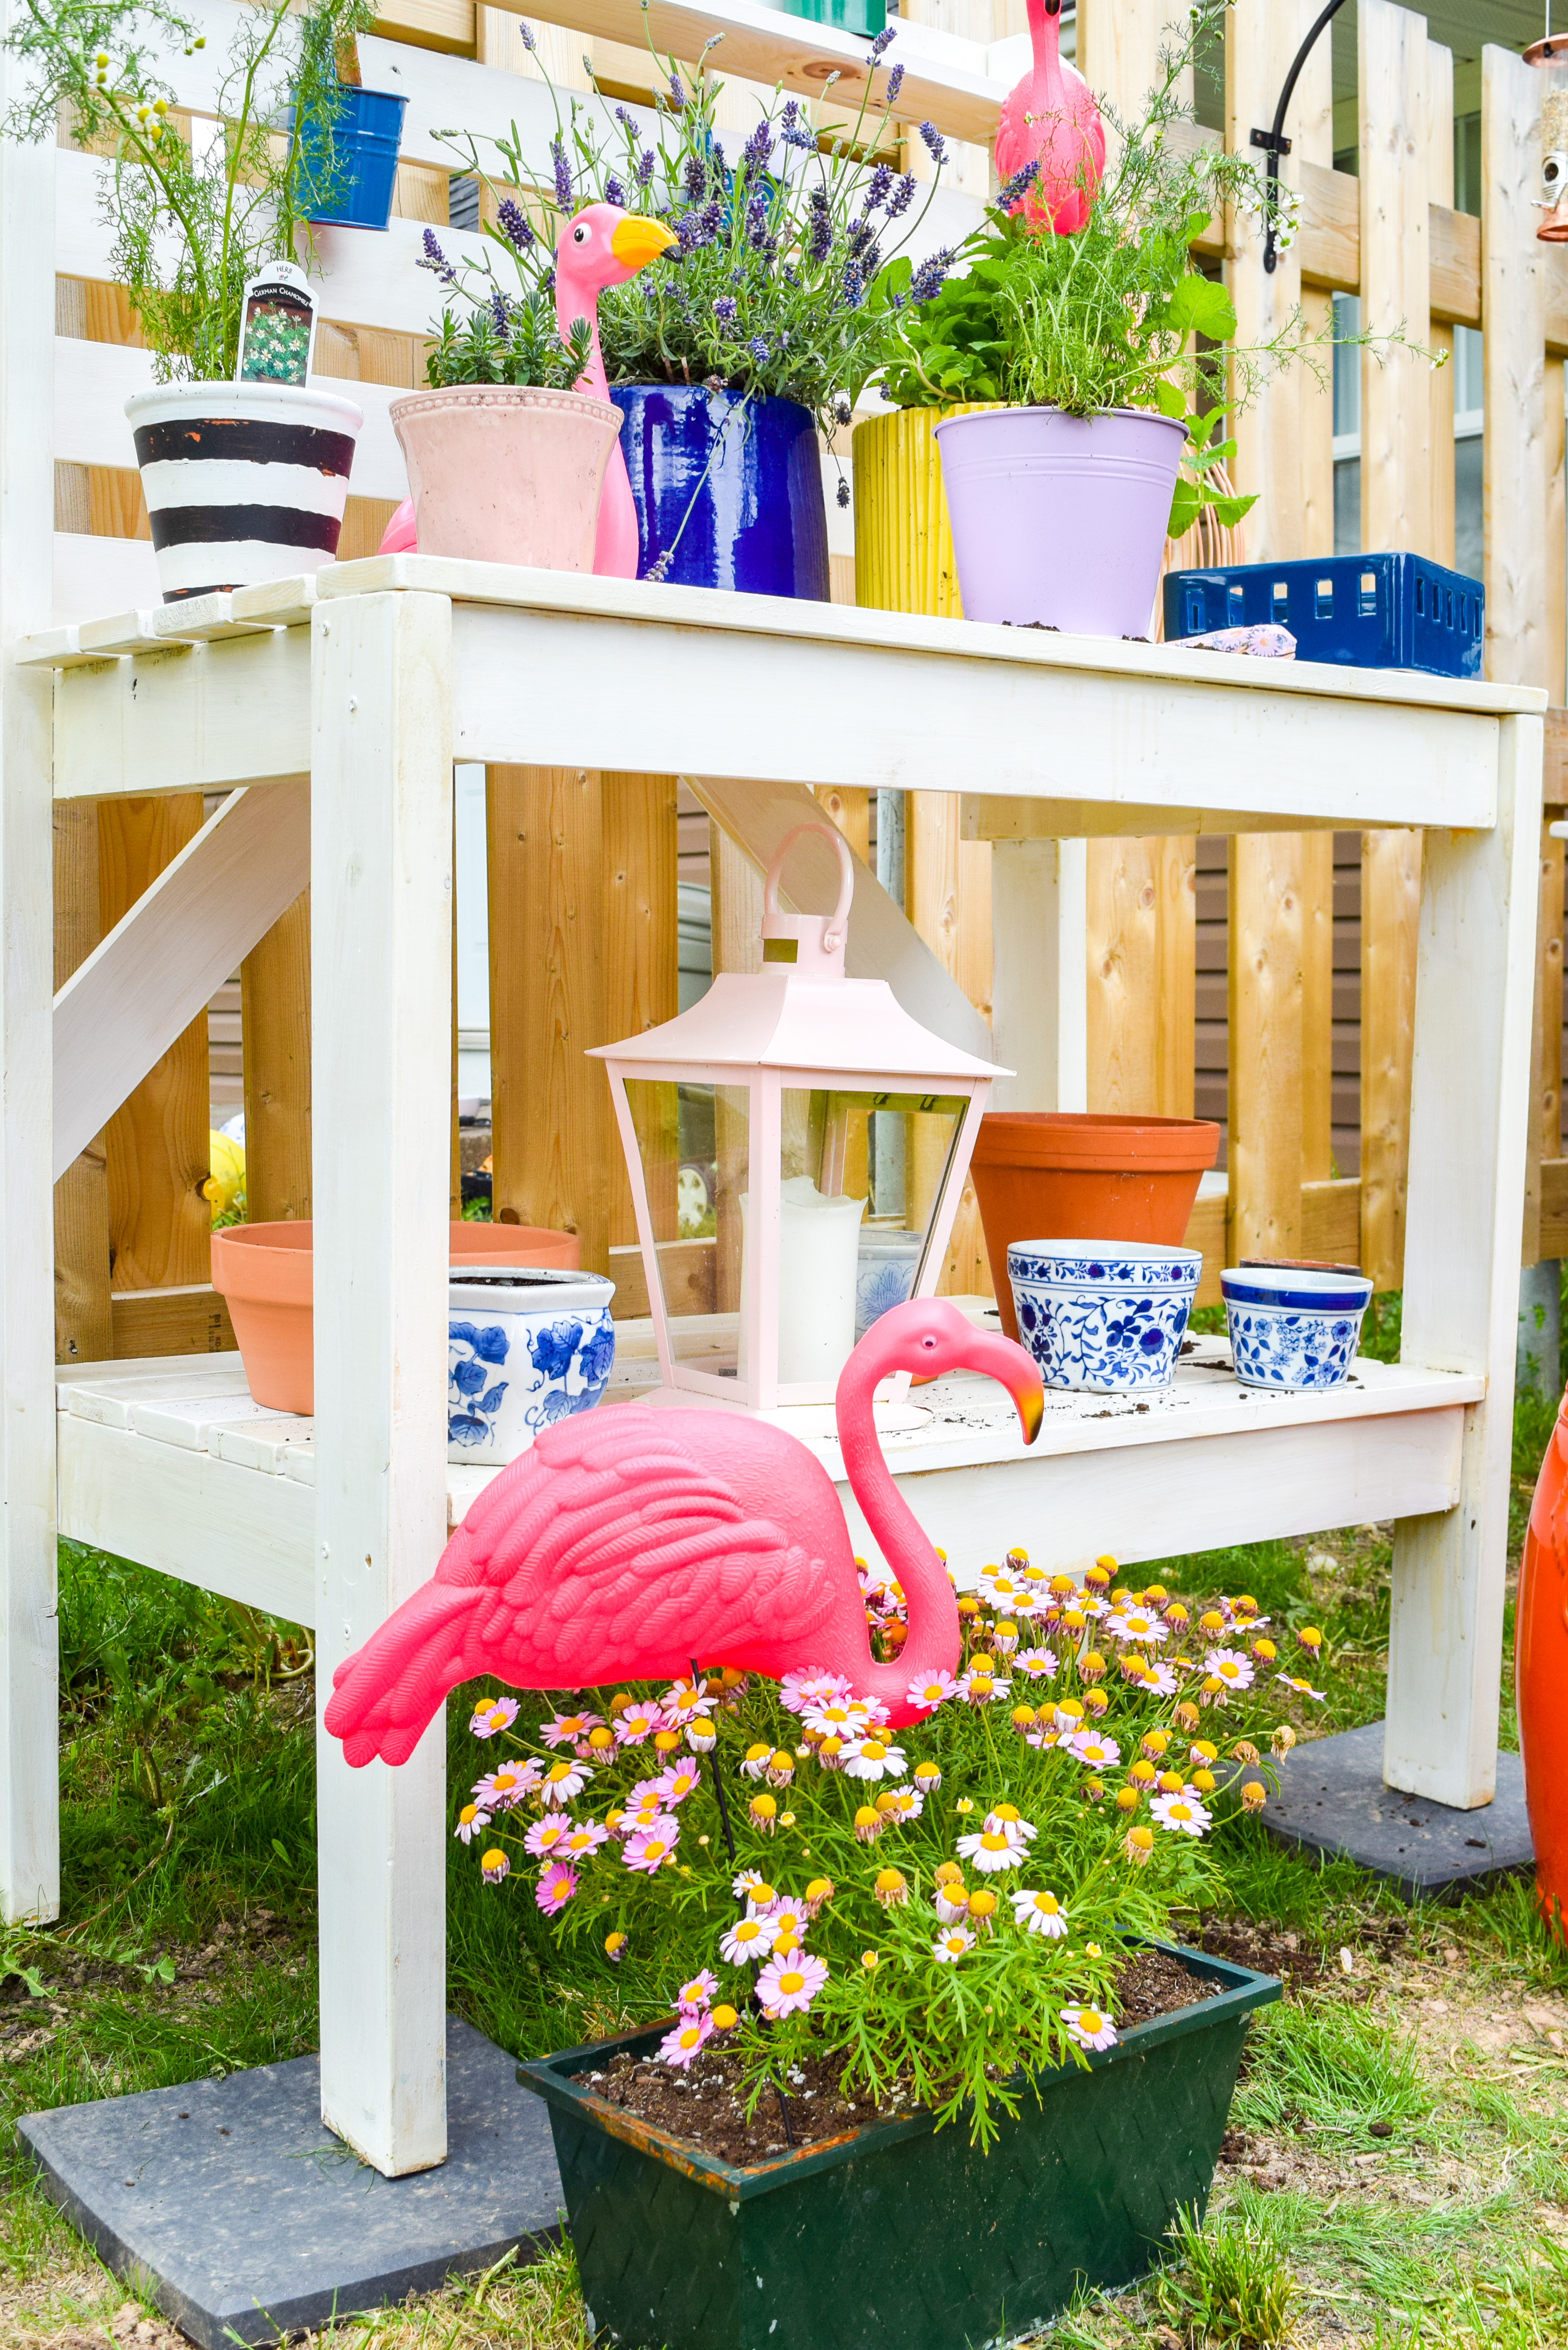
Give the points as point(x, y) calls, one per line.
point(648, 1848)
point(1039, 1913)
point(907, 1803)
point(584, 1839)
point(683, 1700)
point(748, 1882)
point(929, 1691)
point(981, 1689)
point(493, 1866)
point(1089, 2027)
point(951, 1903)
point(817, 1686)
point(644, 1791)
point(1099, 1753)
point(1183, 1813)
point(948, 1948)
point(566, 1729)
point(679, 2047)
point(471, 1822)
point(1160, 1680)
point(1038, 1663)
point(748, 1940)
point(499, 1790)
point(491, 1714)
point(1140, 1623)
point(1303, 1689)
point(681, 1779)
point(698, 1991)
point(789, 1923)
point(638, 1723)
point(556, 1885)
point(1231, 1667)
point(546, 1834)
point(789, 1983)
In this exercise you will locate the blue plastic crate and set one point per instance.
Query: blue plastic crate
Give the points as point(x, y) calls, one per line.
point(1366, 611)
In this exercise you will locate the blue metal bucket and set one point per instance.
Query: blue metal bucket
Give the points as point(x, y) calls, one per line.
point(728, 490)
point(349, 166)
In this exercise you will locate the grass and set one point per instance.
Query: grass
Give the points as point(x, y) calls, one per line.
point(186, 1948)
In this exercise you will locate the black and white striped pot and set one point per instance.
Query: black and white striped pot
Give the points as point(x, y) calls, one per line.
point(244, 482)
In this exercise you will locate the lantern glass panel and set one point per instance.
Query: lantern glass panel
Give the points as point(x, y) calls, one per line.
point(692, 1141)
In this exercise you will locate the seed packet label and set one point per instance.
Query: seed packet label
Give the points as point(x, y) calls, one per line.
point(279, 328)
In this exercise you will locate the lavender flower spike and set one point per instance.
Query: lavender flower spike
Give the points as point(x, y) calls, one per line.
point(564, 193)
point(903, 197)
point(895, 84)
point(677, 93)
point(613, 193)
point(515, 224)
point(1012, 192)
point(882, 44)
point(724, 309)
point(932, 276)
point(434, 258)
point(525, 35)
point(755, 154)
point(759, 349)
point(936, 145)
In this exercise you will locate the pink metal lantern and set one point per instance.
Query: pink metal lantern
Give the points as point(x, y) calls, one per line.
point(797, 1146)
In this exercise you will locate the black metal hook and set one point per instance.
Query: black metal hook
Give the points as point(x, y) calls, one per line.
point(1274, 141)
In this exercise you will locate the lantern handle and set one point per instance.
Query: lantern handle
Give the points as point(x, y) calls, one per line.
point(837, 931)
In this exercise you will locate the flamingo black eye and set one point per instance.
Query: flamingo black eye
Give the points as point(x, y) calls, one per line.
point(579, 234)
point(930, 1345)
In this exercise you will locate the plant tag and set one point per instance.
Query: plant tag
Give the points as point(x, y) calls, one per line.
point(278, 333)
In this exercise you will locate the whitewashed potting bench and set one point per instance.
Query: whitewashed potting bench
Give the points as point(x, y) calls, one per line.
point(363, 687)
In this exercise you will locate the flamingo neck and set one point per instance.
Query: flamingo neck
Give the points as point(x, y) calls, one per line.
point(1045, 35)
point(933, 1642)
point(572, 304)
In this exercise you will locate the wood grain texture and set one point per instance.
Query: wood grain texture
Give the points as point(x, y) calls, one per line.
point(1315, 853)
point(1396, 406)
point(549, 1106)
point(193, 1321)
point(1454, 241)
point(1124, 975)
point(1331, 229)
point(1176, 945)
point(275, 1020)
point(1439, 147)
point(160, 1220)
point(641, 974)
point(1390, 929)
point(82, 1328)
point(850, 811)
point(1264, 1149)
point(737, 919)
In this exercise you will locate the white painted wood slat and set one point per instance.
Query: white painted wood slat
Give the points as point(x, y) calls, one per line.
point(141, 987)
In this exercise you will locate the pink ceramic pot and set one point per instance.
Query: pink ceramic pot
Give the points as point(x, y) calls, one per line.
point(507, 474)
point(1059, 521)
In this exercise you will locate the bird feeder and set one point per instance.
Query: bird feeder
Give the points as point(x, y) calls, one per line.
point(1550, 58)
point(797, 1143)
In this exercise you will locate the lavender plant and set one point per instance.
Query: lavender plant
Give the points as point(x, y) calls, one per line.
point(769, 290)
point(195, 208)
point(937, 1911)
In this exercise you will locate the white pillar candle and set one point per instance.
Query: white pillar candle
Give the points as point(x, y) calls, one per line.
point(819, 1246)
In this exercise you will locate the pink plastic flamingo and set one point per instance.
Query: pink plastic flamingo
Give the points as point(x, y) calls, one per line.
point(1051, 119)
point(599, 246)
point(633, 1540)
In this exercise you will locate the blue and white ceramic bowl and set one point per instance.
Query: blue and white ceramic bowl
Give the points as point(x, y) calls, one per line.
point(526, 1347)
point(885, 1269)
point(1293, 1328)
point(1105, 1317)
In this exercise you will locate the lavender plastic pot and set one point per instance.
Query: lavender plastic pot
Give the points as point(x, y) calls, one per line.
point(1058, 521)
point(506, 473)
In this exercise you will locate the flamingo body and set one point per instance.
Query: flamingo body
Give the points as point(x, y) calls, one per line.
point(1050, 118)
point(598, 247)
point(633, 1540)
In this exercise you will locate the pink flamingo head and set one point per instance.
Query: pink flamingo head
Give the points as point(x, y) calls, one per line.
point(599, 247)
point(928, 1336)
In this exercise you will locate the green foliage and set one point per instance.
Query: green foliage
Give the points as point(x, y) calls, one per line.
point(1232, 2287)
point(521, 345)
point(1332, 2067)
point(768, 290)
point(194, 212)
point(874, 1858)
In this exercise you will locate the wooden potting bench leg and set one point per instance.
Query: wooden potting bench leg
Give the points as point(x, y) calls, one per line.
point(1040, 973)
point(1469, 1108)
point(29, 1703)
point(381, 812)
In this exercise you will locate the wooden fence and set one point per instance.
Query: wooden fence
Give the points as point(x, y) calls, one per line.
point(582, 871)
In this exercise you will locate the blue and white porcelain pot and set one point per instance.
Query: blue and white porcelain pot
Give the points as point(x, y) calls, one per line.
point(526, 1347)
point(1105, 1317)
point(885, 1270)
point(1292, 1328)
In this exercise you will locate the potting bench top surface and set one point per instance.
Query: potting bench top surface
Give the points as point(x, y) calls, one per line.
point(628, 675)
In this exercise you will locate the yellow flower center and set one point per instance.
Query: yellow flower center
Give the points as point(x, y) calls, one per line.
point(1047, 1904)
point(791, 1982)
point(994, 1844)
point(469, 1812)
point(691, 2036)
point(558, 1772)
point(747, 1930)
point(492, 1860)
point(1090, 2020)
point(873, 1751)
point(655, 1848)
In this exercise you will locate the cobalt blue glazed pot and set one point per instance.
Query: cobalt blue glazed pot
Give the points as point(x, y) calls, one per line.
point(728, 490)
point(350, 164)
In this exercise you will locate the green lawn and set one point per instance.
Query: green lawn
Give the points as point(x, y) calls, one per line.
point(1397, 2169)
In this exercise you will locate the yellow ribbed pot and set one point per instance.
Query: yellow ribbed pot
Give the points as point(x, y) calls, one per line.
point(903, 546)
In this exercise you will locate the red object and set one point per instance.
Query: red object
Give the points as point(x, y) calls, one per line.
point(1051, 119)
point(1540, 1673)
point(634, 1539)
point(1064, 1175)
point(598, 247)
point(264, 1275)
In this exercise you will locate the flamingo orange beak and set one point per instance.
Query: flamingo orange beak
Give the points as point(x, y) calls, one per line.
point(636, 241)
point(988, 1352)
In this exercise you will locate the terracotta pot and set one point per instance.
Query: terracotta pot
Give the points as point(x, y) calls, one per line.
point(507, 472)
point(264, 1270)
point(1077, 1176)
point(1541, 1676)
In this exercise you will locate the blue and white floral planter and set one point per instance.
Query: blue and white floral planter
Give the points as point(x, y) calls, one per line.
point(1290, 1328)
point(526, 1347)
point(1108, 1325)
point(885, 1270)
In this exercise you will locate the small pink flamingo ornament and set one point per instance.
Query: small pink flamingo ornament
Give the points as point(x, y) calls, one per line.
point(632, 1540)
point(600, 246)
point(1051, 120)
